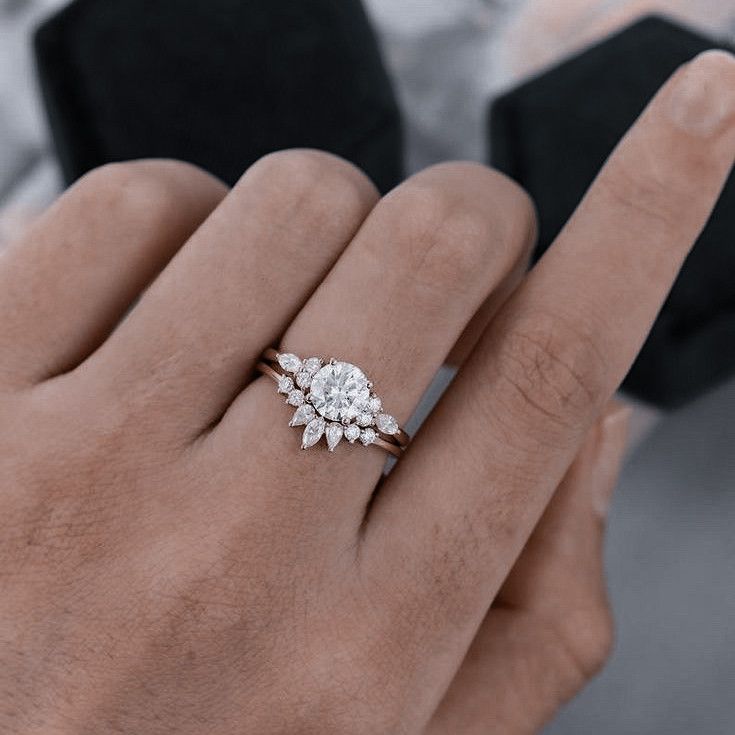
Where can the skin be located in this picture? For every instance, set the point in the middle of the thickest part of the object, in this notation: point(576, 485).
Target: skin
point(170, 561)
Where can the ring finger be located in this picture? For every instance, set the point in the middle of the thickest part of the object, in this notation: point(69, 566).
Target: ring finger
point(394, 304)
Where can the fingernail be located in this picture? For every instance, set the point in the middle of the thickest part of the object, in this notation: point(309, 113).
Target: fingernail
point(612, 442)
point(703, 97)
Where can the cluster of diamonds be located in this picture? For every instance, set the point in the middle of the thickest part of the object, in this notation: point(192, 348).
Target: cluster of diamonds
point(333, 400)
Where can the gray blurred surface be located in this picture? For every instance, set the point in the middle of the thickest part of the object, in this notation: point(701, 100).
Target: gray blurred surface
point(28, 177)
point(671, 546)
point(671, 560)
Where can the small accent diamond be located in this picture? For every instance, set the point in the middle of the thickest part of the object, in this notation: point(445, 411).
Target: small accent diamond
point(313, 432)
point(303, 380)
point(387, 424)
point(364, 419)
point(295, 398)
point(375, 404)
point(352, 433)
point(303, 415)
point(312, 365)
point(335, 432)
point(290, 363)
point(368, 436)
point(285, 384)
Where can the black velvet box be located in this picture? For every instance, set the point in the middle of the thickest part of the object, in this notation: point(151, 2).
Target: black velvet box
point(553, 134)
point(219, 83)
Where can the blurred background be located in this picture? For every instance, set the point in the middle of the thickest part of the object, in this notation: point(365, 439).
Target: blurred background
point(671, 546)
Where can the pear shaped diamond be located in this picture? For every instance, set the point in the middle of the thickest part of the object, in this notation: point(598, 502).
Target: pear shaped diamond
point(290, 363)
point(303, 415)
point(387, 424)
point(334, 432)
point(313, 432)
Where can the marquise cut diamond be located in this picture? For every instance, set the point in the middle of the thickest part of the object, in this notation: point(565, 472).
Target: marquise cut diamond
point(290, 363)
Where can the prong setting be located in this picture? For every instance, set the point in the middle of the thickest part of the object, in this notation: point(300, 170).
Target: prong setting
point(334, 400)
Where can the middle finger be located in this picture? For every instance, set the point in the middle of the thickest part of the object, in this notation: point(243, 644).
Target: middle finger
point(507, 430)
point(186, 349)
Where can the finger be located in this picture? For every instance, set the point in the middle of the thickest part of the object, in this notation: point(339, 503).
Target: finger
point(549, 630)
point(508, 428)
point(234, 287)
point(394, 304)
point(462, 349)
point(75, 272)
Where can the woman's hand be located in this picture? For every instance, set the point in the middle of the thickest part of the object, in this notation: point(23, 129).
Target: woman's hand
point(170, 561)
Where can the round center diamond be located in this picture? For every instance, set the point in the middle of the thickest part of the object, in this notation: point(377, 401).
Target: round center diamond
point(339, 391)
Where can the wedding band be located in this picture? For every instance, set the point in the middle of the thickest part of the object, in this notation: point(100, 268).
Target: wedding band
point(333, 399)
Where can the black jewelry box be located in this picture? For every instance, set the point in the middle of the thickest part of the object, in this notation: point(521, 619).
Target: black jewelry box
point(219, 83)
point(553, 133)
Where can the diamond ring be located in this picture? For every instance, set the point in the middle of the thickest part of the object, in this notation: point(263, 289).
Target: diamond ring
point(333, 399)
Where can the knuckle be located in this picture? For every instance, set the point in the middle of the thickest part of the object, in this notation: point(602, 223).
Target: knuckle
point(510, 203)
point(553, 369)
point(441, 243)
point(461, 222)
point(149, 192)
point(586, 639)
point(458, 250)
point(314, 181)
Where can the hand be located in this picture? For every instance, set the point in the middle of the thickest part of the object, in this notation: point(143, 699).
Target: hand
point(171, 562)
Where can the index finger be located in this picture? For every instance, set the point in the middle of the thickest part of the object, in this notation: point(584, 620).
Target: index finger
point(462, 503)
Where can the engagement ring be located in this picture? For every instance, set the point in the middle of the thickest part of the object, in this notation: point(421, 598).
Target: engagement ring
point(333, 399)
